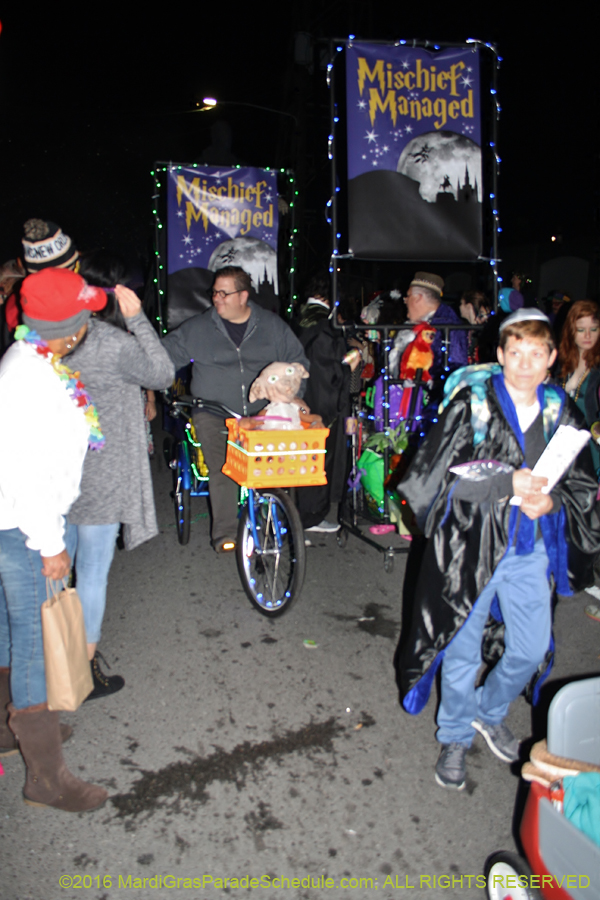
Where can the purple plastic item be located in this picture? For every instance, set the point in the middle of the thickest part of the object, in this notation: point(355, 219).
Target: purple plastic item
point(399, 404)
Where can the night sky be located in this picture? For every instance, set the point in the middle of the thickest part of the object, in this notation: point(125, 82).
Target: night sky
point(89, 102)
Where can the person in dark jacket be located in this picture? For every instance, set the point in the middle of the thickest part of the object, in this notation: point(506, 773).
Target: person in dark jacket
point(228, 345)
point(328, 395)
point(486, 555)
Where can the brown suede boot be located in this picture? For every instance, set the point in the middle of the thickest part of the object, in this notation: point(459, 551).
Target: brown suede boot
point(49, 782)
point(8, 742)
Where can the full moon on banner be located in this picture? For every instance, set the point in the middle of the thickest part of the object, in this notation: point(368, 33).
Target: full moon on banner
point(414, 152)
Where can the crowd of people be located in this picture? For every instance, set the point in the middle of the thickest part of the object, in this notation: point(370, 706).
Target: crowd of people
point(77, 340)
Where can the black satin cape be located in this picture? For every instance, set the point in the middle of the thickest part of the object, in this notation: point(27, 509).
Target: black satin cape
point(466, 541)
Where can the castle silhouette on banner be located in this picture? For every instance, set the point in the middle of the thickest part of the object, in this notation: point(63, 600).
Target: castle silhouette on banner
point(389, 219)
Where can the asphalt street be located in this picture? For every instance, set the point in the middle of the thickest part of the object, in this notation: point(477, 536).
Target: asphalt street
point(236, 752)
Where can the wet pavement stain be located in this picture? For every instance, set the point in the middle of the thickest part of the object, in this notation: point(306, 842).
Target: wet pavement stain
point(188, 780)
point(373, 621)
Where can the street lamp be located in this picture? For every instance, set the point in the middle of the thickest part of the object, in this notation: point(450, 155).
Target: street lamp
point(211, 103)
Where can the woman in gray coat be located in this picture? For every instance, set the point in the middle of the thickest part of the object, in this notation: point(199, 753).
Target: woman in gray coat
point(116, 486)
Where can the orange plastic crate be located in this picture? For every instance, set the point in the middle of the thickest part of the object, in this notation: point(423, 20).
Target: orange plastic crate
point(263, 459)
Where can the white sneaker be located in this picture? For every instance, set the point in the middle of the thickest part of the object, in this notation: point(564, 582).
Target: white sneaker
point(325, 526)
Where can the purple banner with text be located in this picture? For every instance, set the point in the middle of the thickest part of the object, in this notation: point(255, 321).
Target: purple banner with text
point(218, 217)
point(414, 152)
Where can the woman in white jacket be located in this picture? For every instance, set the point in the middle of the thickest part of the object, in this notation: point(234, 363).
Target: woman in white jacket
point(48, 421)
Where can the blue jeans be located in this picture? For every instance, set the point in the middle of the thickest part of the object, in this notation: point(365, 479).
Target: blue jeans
point(521, 585)
point(95, 552)
point(22, 592)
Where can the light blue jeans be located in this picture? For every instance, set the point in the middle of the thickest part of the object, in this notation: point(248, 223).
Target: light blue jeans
point(22, 592)
point(521, 584)
point(95, 552)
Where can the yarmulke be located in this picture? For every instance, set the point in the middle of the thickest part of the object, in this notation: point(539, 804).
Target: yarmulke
point(525, 314)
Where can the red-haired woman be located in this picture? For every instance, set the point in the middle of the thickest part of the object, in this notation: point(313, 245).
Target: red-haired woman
point(579, 361)
point(579, 371)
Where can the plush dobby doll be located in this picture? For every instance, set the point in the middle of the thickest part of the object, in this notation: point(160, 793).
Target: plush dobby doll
point(279, 383)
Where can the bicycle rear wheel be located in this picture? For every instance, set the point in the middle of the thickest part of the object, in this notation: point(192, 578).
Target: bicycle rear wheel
point(271, 567)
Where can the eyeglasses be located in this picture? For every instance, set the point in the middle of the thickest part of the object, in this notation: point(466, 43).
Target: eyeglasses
point(222, 294)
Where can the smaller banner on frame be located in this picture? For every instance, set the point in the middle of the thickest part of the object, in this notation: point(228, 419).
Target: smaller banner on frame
point(414, 152)
point(219, 217)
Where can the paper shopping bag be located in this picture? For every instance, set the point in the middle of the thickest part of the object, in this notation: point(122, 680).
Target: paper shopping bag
point(68, 672)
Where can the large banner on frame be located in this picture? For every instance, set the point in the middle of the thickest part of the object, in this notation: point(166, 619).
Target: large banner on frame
point(219, 217)
point(414, 152)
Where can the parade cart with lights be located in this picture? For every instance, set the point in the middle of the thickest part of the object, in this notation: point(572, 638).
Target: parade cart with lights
point(388, 425)
point(412, 146)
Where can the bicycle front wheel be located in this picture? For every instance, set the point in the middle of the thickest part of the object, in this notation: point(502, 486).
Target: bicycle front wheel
point(181, 496)
point(270, 552)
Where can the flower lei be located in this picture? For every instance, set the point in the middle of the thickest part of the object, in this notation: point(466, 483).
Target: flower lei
point(74, 387)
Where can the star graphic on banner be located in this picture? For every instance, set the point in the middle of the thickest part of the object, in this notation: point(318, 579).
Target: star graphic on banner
point(406, 64)
point(187, 240)
point(466, 80)
point(469, 68)
point(181, 256)
point(268, 197)
point(385, 149)
point(364, 156)
point(408, 129)
point(371, 136)
point(219, 180)
point(180, 214)
point(362, 104)
point(375, 163)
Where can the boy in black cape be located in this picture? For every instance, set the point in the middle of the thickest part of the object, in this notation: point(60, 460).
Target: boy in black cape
point(485, 558)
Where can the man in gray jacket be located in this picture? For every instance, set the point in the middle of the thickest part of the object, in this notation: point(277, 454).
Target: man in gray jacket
point(228, 346)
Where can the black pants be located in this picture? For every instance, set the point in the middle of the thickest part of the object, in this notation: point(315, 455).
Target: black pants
point(212, 434)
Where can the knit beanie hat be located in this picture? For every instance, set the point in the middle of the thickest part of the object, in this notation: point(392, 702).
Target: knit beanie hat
point(45, 244)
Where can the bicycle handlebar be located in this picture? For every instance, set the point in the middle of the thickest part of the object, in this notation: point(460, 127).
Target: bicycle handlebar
point(185, 401)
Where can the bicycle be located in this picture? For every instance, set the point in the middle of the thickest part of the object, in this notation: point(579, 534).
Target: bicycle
point(270, 549)
point(183, 455)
